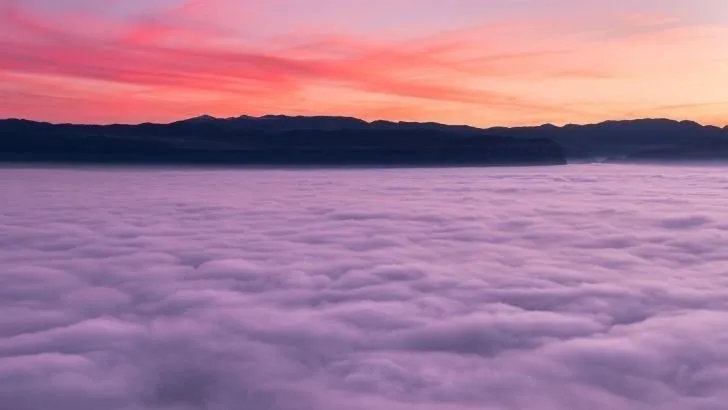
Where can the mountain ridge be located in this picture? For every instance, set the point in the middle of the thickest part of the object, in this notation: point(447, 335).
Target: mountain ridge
point(303, 141)
point(375, 121)
point(639, 139)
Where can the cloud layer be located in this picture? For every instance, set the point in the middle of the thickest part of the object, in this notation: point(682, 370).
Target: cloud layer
point(600, 287)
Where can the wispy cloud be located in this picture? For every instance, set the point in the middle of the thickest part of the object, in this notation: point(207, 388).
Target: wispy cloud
point(521, 69)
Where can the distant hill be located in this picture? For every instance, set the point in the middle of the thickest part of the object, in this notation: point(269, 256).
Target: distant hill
point(269, 141)
point(640, 140)
point(329, 140)
point(280, 123)
point(631, 140)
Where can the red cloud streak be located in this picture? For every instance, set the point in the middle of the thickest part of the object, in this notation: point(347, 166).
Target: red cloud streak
point(171, 64)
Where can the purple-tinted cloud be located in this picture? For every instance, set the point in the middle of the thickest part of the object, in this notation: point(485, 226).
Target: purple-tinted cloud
point(580, 287)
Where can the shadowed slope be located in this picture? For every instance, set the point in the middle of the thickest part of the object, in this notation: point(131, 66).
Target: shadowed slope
point(283, 141)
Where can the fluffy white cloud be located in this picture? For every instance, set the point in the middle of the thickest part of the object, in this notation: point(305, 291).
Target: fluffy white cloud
point(601, 287)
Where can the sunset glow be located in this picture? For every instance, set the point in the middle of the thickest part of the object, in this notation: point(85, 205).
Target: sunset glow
point(480, 62)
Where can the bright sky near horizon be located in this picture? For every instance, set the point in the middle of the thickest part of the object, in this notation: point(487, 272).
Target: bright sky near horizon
point(480, 62)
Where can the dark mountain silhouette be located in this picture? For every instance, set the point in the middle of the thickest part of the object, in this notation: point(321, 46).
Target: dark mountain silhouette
point(631, 140)
point(268, 141)
point(329, 140)
point(637, 140)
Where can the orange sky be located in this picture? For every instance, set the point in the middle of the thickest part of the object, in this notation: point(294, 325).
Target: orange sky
point(480, 62)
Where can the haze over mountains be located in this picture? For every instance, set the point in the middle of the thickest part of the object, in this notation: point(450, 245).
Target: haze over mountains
point(342, 141)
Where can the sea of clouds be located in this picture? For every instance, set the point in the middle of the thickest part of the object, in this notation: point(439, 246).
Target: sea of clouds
point(581, 287)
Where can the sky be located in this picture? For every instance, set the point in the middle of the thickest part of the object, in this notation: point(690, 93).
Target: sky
point(478, 62)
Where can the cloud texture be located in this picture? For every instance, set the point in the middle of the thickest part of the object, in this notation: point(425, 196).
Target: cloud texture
point(600, 287)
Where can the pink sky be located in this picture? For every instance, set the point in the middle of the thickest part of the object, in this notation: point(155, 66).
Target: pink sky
point(480, 62)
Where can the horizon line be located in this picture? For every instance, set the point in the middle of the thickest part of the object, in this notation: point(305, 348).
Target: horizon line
point(253, 117)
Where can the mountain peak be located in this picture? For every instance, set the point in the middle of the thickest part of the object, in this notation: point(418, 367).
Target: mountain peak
point(201, 118)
